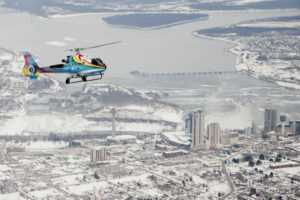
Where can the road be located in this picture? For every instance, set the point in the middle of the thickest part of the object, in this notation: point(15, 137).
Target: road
point(229, 180)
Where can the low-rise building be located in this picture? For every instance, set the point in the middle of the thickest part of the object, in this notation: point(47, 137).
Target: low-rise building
point(173, 154)
point(229, 138)
point(122, 139)
point(15, 149)
point(161, 147)
point(179, 139)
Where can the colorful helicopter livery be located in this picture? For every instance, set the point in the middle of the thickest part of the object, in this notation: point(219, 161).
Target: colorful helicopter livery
point(78, 65)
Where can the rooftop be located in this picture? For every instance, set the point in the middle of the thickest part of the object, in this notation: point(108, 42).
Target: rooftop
point(179, 137)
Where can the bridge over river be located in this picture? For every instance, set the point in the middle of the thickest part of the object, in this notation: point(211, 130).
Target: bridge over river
point(145, 74)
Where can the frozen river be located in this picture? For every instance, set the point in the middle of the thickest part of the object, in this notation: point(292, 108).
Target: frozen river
point(172, 49)
point(232, 100)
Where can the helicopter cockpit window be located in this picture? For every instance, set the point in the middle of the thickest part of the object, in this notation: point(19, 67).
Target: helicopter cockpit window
point(97, 61)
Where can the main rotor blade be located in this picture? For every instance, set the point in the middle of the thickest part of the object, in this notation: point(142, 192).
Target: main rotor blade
point(101, 45)
point(71, 49)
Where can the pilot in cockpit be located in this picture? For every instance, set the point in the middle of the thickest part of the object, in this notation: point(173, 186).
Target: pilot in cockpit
point(65, 60)
point(97, 61)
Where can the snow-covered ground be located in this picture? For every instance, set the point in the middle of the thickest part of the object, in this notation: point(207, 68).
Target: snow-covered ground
point(85, 188)
point(243, 2)
point(288, 85)
point(16, 89)
point(141, 110)
point(44, 145)
point(43, 194)
point(270, 24)
point(14, 195)
point(131, 104)
point(75, 124)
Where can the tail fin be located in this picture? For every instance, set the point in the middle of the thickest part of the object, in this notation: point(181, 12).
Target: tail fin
point(30, 68)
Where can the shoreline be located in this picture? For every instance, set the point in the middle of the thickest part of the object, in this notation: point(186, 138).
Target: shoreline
point(157, 27)
point(278, 82)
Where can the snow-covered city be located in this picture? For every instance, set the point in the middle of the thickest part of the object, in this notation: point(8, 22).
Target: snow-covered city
point(232, 164)
point(185, 99)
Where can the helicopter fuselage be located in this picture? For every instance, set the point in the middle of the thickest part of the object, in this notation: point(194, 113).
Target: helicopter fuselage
point(77, 64)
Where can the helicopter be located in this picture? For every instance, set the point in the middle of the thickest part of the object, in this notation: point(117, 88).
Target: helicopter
point(77, 65)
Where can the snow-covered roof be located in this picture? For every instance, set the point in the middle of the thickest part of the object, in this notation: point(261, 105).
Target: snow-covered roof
point(178, 137)
point(122, 137)
point(178, 151)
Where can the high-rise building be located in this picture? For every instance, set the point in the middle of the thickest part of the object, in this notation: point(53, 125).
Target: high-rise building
point(282, 118)
point(282, 122)
point(98, 155)
point(254, 129)
point(270, 120)
point(248, 131)
point(198, 129)
point(293, 127)
point(188, 124)
point(297, 130)
point(213, 132)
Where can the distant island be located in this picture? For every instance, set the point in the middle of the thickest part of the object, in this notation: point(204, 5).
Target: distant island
point(152, 20)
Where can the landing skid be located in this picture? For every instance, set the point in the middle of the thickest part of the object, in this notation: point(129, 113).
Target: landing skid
point(83, 78)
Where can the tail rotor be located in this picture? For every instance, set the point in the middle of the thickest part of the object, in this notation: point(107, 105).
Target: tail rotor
point(30, 68)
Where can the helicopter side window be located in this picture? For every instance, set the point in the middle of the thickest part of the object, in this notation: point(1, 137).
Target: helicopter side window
point(65, 60)
point(86, 59)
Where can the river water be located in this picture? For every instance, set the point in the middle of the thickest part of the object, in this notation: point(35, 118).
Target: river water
point(233, 100)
